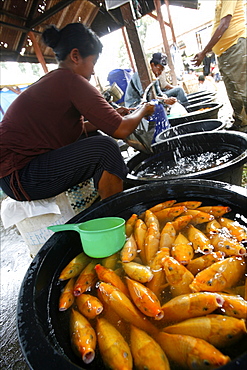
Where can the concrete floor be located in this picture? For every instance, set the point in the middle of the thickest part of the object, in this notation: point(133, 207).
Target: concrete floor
point(15, 260)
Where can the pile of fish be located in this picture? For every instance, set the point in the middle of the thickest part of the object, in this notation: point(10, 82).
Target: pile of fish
point(175, 294)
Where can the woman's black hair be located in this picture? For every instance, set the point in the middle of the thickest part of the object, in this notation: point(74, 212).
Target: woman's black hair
point(73, 35)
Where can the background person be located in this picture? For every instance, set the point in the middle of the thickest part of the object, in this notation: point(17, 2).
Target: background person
point(42, 150)
point(228, 42)
point(134, 92)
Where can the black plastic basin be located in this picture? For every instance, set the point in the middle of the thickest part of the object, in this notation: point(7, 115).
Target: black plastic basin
point(43, 330)
point(166, 154)
point(190, 127)
point(202, 99)
point(197, 112)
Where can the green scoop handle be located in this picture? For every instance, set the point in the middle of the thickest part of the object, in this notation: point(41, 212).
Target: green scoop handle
point(63, 227)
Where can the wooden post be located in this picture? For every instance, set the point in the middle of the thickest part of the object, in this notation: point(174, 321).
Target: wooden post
point(163, 32)
point(38, 51)
point(135, 45)
point(128, 49)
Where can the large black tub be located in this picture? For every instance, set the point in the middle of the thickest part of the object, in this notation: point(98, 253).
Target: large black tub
point(43, 330)
point(190, 127)
point(182, 152)
point(197, 112)
point(202, 99)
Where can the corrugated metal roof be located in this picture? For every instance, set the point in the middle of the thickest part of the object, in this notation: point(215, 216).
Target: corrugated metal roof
point(19, 17)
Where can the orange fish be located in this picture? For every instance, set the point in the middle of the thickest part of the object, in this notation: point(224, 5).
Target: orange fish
point(130, 225)
point(216, 211)
point(109, 276)
point(189, 204)
point(181, 222)
point(191, 353)
point(182, 250)
point(75, 266)
point(67, 297)
point(88, 305)
point(158, 207)
point(86, 280)
point(199, 217)
point(168, 214)
point(220, 275)
point(177, 276)
point(219, 330)
point(191, 305)
point(129, 250)
point(83, 337)
point(122, 305)
point(147, 353)
point(114, 350)
point(145, 299)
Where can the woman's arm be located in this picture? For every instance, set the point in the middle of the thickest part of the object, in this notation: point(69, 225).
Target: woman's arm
point(131, 121)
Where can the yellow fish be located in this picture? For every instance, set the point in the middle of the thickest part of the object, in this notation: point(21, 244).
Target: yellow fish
point(167, 235)
point(89, 305)
point(147, 353)
point(191, 353)
point(199, 240)
point(235, 229)
point(114, 350)
point(182, 249)
point(219, 276)
point(177, 276)
point(150, 217)
point(200, 263)
point(86, 280)
point(75, 266)
point(216, 211)
point(123, 306)
point(158, 207)
point(189, 204)
point(138, 272)
point(144, 299)
point(219, 330)
point(234, 306)
point(129, 250)
point(83, 337)
point(140, 231)
point(151, 244)
point(130, 224)
point(109, 276)
point(191, 305)
point(67, 297)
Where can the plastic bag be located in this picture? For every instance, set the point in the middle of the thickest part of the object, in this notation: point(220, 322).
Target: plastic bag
point(177, 110)
point(145, 134)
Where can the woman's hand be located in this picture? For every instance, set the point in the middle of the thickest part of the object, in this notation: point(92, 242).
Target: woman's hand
point(123, 111)
point(148, 108)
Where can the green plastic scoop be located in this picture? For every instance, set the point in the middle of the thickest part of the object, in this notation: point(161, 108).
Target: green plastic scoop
point(100, 237)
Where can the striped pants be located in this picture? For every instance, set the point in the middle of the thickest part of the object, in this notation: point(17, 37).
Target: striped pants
point(54, 172)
